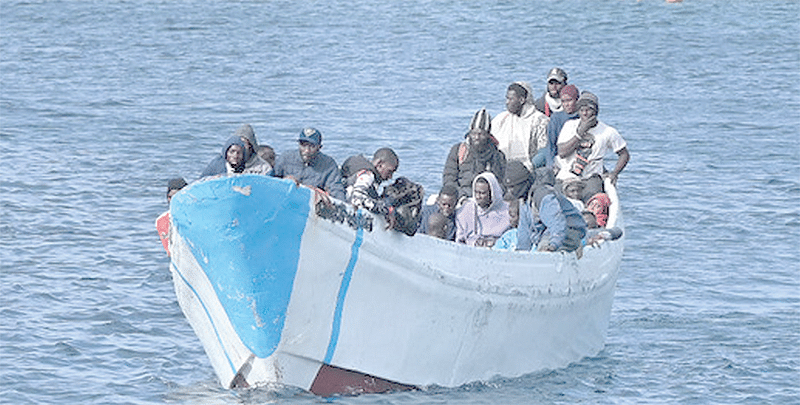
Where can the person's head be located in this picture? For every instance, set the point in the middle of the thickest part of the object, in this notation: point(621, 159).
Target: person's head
point(573, 189)
point(437, 225)
point(267, 153)
point(587, 105)
point(569, 98)
point(235, 153)
point(480, 128)
point(482, 193)
point(513, 211)
point(517, 180)
point(173, 186)
point(385, 162)
point(556, 80)
point(591, 219)
point(310, 141)
point(447, 200)
point(515, 98)
point(248, 136)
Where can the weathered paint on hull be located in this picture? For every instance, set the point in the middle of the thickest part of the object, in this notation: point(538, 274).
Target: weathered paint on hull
point(355, 308)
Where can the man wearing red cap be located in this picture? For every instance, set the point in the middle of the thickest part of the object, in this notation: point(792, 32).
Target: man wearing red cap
point(569, 111)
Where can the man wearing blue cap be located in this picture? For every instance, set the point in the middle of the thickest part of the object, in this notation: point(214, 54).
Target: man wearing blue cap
point(311, 167)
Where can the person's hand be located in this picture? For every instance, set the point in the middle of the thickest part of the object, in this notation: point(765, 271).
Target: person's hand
point(391, 220)
point(612, 176)
point(320, 195)
point(292, 178)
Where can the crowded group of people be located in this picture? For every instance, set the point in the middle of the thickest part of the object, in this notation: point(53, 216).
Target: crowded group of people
point(531, 178)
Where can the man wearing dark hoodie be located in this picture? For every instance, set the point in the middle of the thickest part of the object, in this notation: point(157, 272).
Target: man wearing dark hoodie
point(252, 164)
point(477, 154)
point(231, 160)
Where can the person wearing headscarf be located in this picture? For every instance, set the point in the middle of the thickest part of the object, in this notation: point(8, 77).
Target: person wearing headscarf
point(569, 111)
point(478, 153)
point(552, 223)
point(582, 145)
point(598, 205)
point(521, 130)
point(484, 217)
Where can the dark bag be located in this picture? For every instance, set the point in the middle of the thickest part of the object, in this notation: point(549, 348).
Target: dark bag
point(405, 197)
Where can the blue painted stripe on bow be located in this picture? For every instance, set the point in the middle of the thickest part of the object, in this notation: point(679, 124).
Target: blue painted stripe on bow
point(337, 315)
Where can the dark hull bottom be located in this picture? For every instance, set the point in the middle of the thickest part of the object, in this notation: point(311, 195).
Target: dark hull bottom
point(332, 380)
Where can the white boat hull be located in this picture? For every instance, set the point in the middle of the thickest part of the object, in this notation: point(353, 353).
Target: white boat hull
point(279, 292)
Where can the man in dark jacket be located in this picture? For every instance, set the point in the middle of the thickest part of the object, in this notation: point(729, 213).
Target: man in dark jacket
point(309, 166)
point(552, 223)
point(477, 154)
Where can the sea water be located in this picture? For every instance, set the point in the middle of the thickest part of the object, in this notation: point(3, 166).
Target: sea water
point(102, 102)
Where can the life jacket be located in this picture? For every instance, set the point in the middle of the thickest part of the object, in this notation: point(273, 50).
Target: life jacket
point(405, 197)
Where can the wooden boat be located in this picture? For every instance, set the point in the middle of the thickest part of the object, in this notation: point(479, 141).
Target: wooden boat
point(281, 288)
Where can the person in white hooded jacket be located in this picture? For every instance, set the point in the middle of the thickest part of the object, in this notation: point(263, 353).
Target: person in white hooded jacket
point(484, 217)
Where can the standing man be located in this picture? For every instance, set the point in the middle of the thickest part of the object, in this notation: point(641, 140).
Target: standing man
point(550, 101)
point(521, 130)
point(309, 166)
point(569, 111)
point(583, 143)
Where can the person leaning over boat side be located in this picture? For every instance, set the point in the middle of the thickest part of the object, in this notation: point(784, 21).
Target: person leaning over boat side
point(521, 130)
point(569, 111)
point(583, 143)
point(552, 223)
point(309, 166)
point(445, 206)
point(162, 223)
point(550, 101)
point(476, 154)
point(252, 164)
point(362, 178)
point(484, 217)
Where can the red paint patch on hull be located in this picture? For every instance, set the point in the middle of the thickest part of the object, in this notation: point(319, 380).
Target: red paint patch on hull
point(332, 380)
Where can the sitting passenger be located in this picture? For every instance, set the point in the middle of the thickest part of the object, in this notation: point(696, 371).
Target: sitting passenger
point(484, 217)
point(162, 223)
point(518, 183)
point(251, 163)
point(362, 178)
point(477, 154)
point(552, 223)
point(446, 206)
point(267, 153)
point(573, 190)
point(509, 239)
point(309, 166)
point(437, 225)
point(598, 205)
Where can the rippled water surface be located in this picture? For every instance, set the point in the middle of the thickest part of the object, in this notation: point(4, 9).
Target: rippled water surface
point(102, 102)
